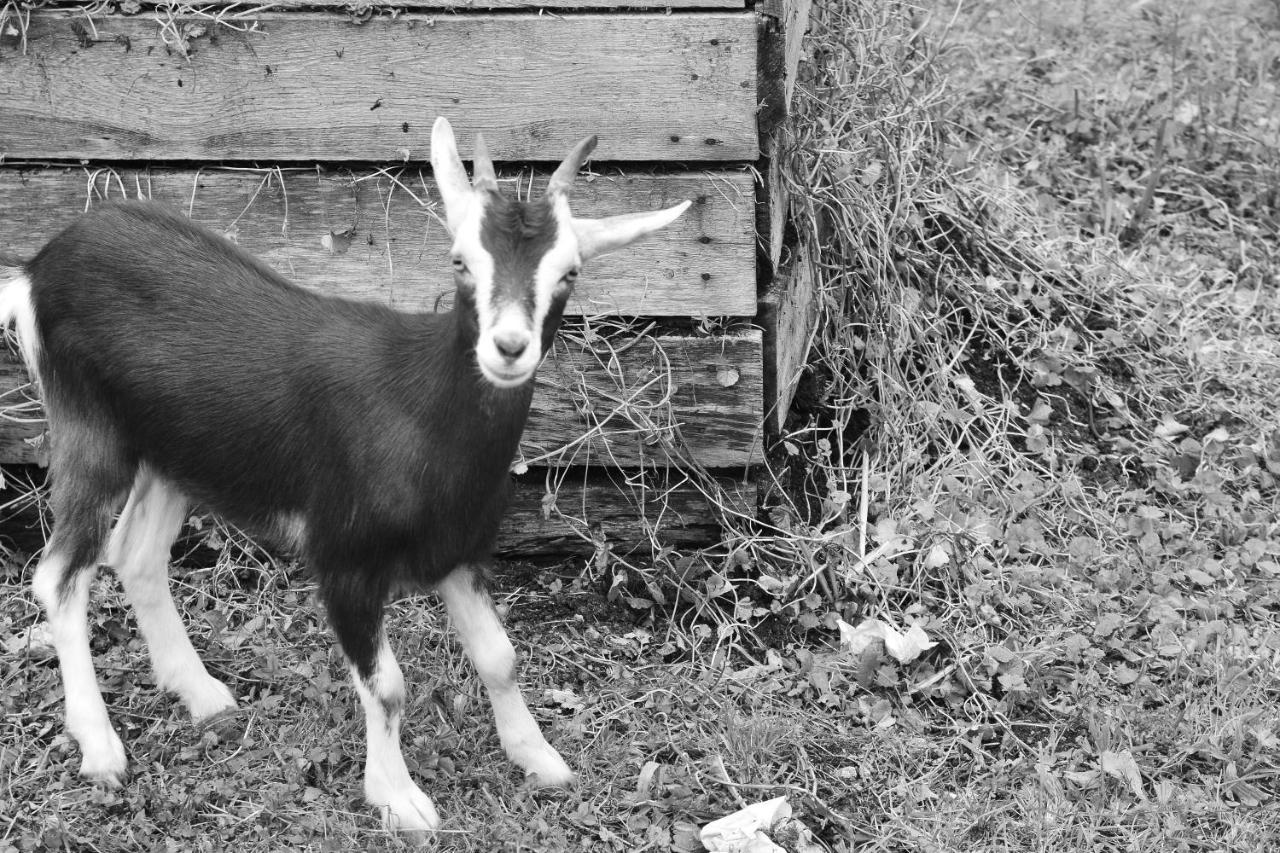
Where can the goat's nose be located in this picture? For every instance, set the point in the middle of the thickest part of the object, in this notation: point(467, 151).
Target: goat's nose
point(511, 344)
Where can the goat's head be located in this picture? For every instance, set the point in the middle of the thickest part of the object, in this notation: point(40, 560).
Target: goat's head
point(515, 262)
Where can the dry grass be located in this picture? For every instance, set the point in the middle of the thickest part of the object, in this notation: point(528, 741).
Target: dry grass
point(1039, 422)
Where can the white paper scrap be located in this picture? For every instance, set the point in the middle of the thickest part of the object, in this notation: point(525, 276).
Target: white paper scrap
point(744, 830)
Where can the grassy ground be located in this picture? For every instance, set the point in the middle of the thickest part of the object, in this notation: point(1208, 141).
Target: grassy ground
point(1041, 424)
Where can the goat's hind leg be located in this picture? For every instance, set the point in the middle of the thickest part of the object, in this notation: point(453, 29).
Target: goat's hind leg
point(83, 505)
point(139, 553)
point(486, 643)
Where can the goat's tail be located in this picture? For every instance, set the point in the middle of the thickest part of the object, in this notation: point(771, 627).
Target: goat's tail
point(18, 310)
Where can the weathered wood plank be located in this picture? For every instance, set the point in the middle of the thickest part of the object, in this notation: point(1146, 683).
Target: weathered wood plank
point(654, 399)
point(795, 24)
point(789, 315)
point(21, 420)
point(306, 87)
point(788, 310)
point(780, 64)
point(361, 8)
point(387, 244)
point(551, 512)
point(619, 401)
point(484, 5)
point(554, 513)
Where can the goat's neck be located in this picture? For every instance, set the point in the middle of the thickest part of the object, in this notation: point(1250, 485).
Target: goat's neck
point(463, 400)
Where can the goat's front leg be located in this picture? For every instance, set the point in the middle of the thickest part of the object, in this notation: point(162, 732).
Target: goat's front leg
point(380, 685)
point(490, 650)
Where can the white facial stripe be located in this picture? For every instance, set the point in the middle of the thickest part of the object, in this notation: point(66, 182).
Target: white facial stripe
point(559, 259)
point(470, 250)
point(467, 247)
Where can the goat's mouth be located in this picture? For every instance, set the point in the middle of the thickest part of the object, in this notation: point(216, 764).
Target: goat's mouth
point(506, 376)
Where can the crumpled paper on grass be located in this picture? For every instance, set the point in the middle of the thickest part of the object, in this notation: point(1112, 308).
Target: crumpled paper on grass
point(744, 830)
point(903, 647)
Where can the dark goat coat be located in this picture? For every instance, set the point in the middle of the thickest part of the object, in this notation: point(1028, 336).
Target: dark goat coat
point(265, 402)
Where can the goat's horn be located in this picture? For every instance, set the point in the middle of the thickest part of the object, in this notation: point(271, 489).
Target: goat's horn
point(482, 175)
point(561, 182)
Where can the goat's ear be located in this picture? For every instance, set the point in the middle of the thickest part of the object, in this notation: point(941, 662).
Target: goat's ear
point(451, 177)
point(483, 177)
point(597, 236)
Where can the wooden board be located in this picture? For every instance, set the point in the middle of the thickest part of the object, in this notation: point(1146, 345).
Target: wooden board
point(365, 8)
point(480, 5)
point(657, 399)
point(21, 424)
point(317, 87)
point(551, 513)
point(620, 401)
point(789, 315)
point(781, 51)
point(789, 309)
point(795, 23)
point(559, 513)
point(387, 244)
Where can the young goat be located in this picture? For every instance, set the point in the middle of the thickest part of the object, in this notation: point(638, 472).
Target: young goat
point(177, 369)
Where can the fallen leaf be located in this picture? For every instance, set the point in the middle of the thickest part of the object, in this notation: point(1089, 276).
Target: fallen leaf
point(1122, 766)
point(1041, 412)
point(566, 699)
point(937, 557)
point(644, 782)
point(727, 376)
point(903, 647)
point(36, 641)
point(1169, 428)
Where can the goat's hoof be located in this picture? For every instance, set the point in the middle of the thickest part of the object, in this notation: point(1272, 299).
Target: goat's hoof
point(103, 760)
point(410, 812)
point(546, 769)
point(207, 698)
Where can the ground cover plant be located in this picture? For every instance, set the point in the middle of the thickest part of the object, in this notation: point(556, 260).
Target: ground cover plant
point(1039, 426)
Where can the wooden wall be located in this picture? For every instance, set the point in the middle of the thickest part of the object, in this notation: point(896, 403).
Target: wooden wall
point(303, 134)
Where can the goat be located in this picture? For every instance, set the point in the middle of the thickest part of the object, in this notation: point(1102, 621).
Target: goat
point(176, 368)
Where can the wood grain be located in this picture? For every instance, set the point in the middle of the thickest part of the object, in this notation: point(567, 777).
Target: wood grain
point(504, 5)
point(659, 400)
point(319, 87)
point(386, 243)
point(22, 425)
point(617, 401)
point(789, 315)
point(555, 513)
point(789, 309)
point(781, 52)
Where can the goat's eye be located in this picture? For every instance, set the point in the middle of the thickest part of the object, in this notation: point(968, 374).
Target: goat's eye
point(571, 276)
point(459, 266)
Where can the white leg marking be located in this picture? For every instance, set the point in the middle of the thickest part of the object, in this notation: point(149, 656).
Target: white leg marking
point(139, 553)
point(490, 650)
point(103, 758)
point(387, 784)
